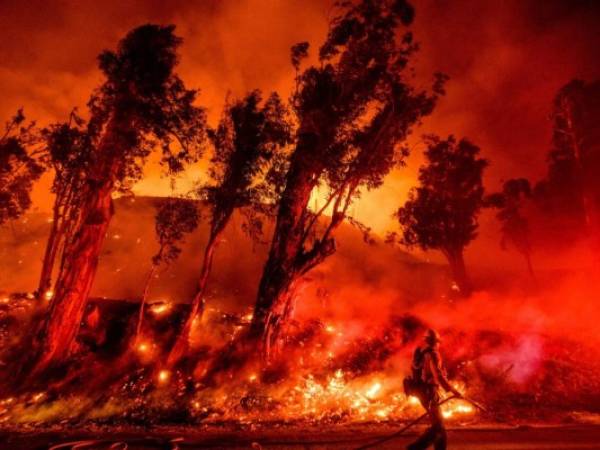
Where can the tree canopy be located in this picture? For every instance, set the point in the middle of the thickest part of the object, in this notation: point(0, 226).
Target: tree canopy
point(21, 165)
point(248, 158)
point(441, 213)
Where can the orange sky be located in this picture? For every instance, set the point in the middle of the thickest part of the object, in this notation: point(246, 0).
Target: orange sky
point(505, 59)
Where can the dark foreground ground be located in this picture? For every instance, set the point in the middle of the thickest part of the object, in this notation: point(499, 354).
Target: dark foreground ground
point(522, 438)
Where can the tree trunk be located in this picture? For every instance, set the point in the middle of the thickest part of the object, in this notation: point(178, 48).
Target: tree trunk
point(138, 328)
point(588, 204)
point(62, 223)
point(55, 240)
point(59, 329)
point(530, 267)
point(281, 268)
point(269, 312)
point(459, 271)
point(198, 304)
point(49, 258)
point(74, 284)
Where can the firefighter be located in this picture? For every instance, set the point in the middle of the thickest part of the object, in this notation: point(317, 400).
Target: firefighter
point(426, 379)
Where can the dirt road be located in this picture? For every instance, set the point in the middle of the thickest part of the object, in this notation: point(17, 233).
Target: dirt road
point(524, 438)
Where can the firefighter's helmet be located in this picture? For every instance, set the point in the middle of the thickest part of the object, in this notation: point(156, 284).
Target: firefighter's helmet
point(432, 336)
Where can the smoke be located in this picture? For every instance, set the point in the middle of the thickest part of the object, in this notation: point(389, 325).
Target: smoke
point(506, 60)
point(524, 357)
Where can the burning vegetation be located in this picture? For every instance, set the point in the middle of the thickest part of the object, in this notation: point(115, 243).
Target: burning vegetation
point(324, 336)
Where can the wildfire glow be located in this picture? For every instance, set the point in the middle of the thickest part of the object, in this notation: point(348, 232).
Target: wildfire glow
point(317, 395)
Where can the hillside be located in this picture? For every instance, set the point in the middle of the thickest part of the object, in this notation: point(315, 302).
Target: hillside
point(356, 270)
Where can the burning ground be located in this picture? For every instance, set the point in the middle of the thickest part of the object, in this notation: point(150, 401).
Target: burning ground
point(342, 362)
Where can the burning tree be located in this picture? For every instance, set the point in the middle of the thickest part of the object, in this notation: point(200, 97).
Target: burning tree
point(570, 193)
point(141, 105)
point(353, 109)
point(174, 218)
point(246, 164)
point(576, 137)
point(21, 164)
point(441, 213)
point(69, 148)
point(514, 225)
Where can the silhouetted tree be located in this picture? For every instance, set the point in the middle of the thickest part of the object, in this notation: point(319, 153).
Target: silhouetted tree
point(175, 217)
point(248, 146)
point(353, 109)
point(570, 194)
point(514, 225)
point(21, 165)
point(69, 147)
point(441, 213)
point(141, 105)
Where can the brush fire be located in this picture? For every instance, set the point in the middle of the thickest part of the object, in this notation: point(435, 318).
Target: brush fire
point(319, 386)
point(379, 229)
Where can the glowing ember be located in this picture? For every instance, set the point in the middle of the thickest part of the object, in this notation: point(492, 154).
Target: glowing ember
point(38, 397)
point(248, 317)
point(160, 308)
point(143, 347)
point(48, 295)
point(164, 376)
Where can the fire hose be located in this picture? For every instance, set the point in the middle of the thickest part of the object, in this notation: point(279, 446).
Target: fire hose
point(414, 422)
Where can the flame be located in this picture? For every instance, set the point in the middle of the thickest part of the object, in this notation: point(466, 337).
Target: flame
point(373, 390)
point(412, 400)
point(311, 393)
point(48, 295)
point(455, 407)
